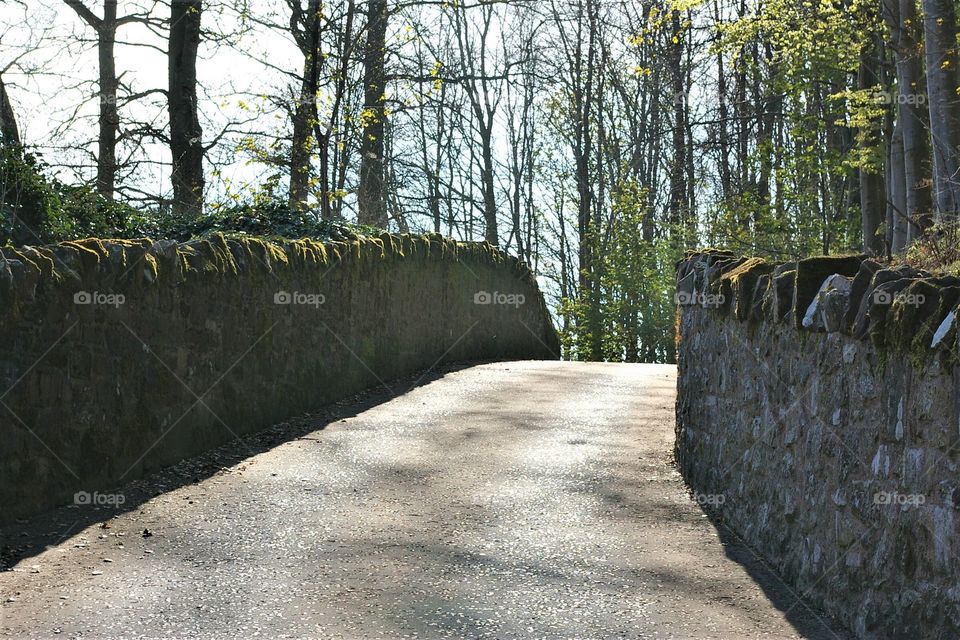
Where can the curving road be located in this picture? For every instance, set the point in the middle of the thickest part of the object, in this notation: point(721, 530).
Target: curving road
point(509, 500)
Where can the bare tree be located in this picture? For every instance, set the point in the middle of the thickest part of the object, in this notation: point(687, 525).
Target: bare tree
point(905, 34)
point(370, 197)
point(186, 133)
point(305, 27)
point(109, 120)
point(940, 44)
point(9, 132)
point(872, 190)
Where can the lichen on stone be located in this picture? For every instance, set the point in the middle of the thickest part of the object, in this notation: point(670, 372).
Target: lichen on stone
point(739, 283)
point(811, 274)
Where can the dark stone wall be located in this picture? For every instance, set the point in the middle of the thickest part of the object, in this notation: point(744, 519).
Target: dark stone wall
point(817, 417)
point(121, 357)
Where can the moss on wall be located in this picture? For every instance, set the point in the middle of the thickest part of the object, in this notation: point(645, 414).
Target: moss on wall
point(268, 329)
point(898, 309)
point(810, 275)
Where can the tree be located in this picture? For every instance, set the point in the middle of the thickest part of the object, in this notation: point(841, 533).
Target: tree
point(940, 45)
point(186, 134)
point(370, 197)
point(872, 192)
point(483, 92)
point(910, 141)
point(109, 119)
point(306, 31)
point(9, 132)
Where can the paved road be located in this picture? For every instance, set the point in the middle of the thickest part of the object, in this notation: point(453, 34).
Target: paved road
point(524, 499)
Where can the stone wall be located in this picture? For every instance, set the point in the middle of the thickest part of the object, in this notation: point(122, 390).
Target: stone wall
point(817, 417)
point(121, 357)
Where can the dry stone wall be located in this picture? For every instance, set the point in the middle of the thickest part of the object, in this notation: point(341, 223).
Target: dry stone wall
point(118, 358)
point(818, 417)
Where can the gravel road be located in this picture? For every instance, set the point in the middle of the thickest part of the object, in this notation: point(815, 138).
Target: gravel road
point(507, 500)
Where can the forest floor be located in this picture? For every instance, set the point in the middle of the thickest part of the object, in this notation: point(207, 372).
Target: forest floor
point(508, 500)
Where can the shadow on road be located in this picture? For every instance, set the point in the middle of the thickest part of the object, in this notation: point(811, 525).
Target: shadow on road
point(808, 620)
point(27, 538)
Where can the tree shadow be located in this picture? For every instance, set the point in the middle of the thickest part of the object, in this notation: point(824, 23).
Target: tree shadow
point(808, 620)
point(27, 538)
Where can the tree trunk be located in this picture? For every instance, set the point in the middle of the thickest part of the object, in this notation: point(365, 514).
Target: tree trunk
point(723, 133)
point(904, 26)
point(370, 200)
point(109, 120)
point(109, 116)
point(487, 177)
point(872, 191)
point(9, 133)
point(305, 112)
point(940, 36)
point(186, 135)
point(590, 330)
point(897, 219)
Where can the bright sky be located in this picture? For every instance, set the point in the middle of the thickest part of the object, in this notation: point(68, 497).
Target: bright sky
point(49, 82)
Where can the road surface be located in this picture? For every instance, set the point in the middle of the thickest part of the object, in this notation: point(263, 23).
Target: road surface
point(508, 500)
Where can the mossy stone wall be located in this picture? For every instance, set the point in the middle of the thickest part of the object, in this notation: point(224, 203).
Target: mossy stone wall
point(121, 357)
point(834, 442)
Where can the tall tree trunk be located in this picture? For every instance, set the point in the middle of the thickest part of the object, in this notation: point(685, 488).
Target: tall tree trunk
point(346, 48)
point(582, 151)
point(370, 200)
point(487, 178)
point(109, 116)
point(897, 224)
point(678, 166)
point(9, 133)
point(305, 112)
point(940, 43)
point(904, 27)
point(723, 133)
point(109, 120)
point(872, 191)
point(186, 135)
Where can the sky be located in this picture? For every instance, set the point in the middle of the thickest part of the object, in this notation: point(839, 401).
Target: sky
point(54, 69)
